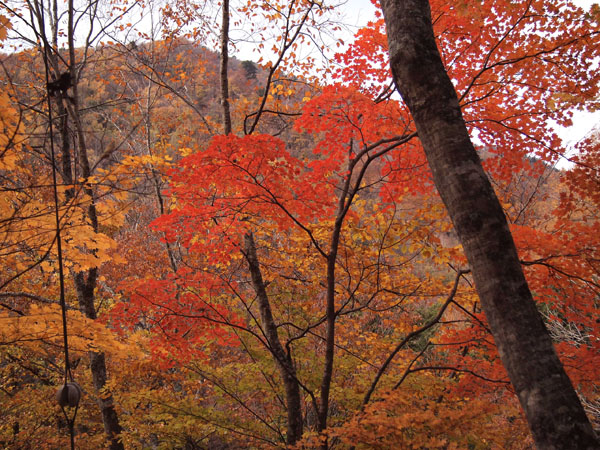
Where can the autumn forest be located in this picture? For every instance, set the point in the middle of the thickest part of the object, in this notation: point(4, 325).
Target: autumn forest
point(250, 225)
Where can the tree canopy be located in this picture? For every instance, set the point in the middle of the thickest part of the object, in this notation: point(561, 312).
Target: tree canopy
point(258, 254)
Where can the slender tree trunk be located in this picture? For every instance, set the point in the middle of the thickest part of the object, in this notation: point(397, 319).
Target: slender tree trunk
point(330, 318)
point(224, 64)
point(85, 285)
point(85, 282)
point(68, 108)
point(282, 358)
point(156, 177)
point(554, 412)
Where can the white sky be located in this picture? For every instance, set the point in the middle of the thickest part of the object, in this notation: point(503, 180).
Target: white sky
point(359, 12)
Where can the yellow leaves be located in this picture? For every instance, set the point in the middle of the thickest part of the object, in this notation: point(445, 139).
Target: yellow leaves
point(276, 90)
point(132, 168)
point(43, 324)
point(85, 249)
point(411, 419)
point(282, 90)
point(185, 151)
point(559, 101)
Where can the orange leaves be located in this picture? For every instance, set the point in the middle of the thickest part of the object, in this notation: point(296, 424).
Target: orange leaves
point(351, 128)
point(408, 418)
point(583, 180)
point(5, 25)
point(561, 265)
point(11, 129)
point(515, 66)
point(34, 225)
point(194, 305)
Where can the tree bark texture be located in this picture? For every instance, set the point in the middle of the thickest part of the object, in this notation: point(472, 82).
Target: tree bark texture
point(85, 293)
point(112, 427)
point(552, 407)
point(85, 285)
point(282, 358)
point(85, 282)
point(223, 69)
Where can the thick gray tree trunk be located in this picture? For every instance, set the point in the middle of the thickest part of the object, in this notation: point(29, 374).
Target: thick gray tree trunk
point(554, 412)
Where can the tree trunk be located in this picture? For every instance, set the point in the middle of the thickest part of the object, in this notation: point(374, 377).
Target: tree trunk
point(223, 69)
point(282, 358)
point(85, 282)
point(85, 294)
point(552, 407)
